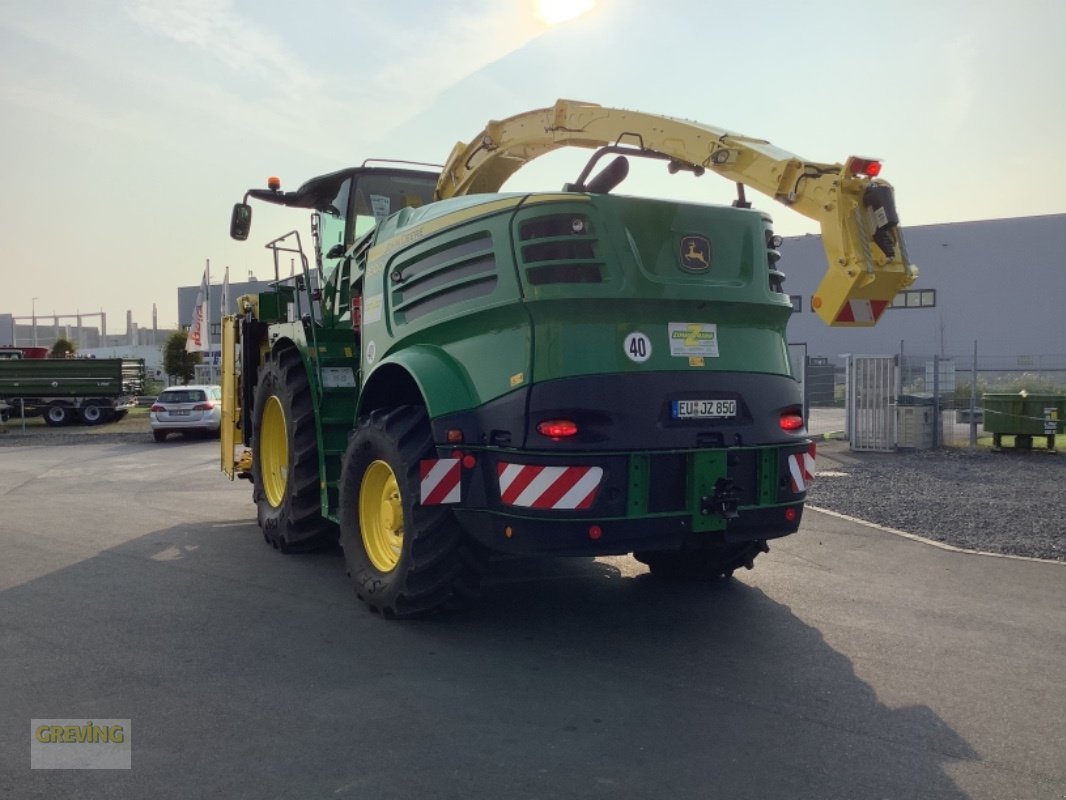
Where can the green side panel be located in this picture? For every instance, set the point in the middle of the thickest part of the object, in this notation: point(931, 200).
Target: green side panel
point(768, 471)
point(708, 466)
point(639, 475)
point(338, 366)
point(446, 306)
point(274, 305)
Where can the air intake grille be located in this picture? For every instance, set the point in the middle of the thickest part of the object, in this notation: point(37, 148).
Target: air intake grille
point(460, 271)
point(560, 249)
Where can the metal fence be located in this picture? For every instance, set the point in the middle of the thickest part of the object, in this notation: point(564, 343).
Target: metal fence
point(953, 386)
point(937, 399)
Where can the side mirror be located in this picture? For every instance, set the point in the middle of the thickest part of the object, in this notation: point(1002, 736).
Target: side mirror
point(336, 251)
point(241, 221)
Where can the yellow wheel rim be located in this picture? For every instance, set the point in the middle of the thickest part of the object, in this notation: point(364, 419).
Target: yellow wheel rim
point(274, 452)
point(381, 516)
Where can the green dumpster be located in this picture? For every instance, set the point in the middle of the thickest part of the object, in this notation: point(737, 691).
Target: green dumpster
point(1023, 416)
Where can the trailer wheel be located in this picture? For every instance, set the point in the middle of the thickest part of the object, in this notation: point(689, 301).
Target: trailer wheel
point(58, 415)
point(95, 414)
point(285, 459)
point(404, 559)
point(715, 563)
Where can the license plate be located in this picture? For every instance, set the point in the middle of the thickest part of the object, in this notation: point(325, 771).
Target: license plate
point(179, 413)
point(703, 409)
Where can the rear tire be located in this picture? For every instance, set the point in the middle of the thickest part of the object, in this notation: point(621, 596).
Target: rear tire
point(58, 415)
point(94, 414)
point(405, 559)
point(159, 436)
point(285, 459)
point(708, 564)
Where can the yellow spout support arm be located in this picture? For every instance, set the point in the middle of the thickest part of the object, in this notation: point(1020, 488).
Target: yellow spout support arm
point(866, 257)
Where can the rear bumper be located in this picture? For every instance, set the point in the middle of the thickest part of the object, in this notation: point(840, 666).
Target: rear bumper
point(634, 476)
point(506, 533)
point(605, 504)
point(211, 423)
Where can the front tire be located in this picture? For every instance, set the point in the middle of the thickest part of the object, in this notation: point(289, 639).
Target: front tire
point(405, 559)
point(285, 459)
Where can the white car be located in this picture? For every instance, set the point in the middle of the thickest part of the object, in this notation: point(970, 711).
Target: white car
point(187, 409)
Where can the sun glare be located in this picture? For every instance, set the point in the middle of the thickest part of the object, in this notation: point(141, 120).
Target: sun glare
point(553, 12)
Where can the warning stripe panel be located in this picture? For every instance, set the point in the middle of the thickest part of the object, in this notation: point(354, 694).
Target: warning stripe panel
point(550, 488)
point(440, 481)
point(801, 469)
point(862, 311)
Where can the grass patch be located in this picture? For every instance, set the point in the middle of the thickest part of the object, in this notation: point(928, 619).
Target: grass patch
point(135, 420)
point(985, 442)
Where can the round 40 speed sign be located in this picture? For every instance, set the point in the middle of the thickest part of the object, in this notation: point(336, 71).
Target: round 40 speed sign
point(637, 347)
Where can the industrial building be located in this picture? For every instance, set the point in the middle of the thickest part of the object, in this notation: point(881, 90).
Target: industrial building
point(1000, 283)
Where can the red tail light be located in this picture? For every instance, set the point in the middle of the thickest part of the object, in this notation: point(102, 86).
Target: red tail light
point(204, 406)
point(557, 428)
point(156, 408)
point(870, 167)
point(791, 421)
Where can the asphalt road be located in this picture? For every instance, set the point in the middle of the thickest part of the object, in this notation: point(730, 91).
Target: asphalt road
point(851, 663)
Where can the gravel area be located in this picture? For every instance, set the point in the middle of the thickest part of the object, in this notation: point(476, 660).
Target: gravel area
point(1009, 502)
point(40, 438)
point(37, 434)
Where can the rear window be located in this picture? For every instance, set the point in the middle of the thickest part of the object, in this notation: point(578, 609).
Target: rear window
point(183, 396)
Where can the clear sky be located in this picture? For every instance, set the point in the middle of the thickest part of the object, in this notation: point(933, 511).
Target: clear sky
point(130, 127)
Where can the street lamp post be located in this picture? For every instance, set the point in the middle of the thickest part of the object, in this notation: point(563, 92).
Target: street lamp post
point(33, 304)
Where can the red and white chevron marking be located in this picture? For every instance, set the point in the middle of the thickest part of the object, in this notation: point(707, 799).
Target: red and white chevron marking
point(440, 481)
point(865, 312)
point(801, 469)
point(549, 488)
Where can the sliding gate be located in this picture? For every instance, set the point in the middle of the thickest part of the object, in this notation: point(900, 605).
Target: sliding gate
point(871, 402)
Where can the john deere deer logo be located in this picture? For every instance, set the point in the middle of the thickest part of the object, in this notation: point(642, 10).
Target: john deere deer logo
point(695, 253)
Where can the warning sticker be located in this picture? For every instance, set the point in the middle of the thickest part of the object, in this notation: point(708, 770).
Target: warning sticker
point(372, 309)
point(689, 339)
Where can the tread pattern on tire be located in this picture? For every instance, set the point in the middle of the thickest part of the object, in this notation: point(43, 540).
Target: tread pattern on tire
point(440, 567)
point(297, 525)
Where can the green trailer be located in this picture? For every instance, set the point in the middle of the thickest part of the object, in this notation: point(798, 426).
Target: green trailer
point(88, 390)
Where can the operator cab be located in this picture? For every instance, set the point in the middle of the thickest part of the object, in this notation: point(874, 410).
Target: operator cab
point(347, 206)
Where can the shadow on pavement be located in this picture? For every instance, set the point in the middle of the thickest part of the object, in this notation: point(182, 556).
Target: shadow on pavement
point(249, 674)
